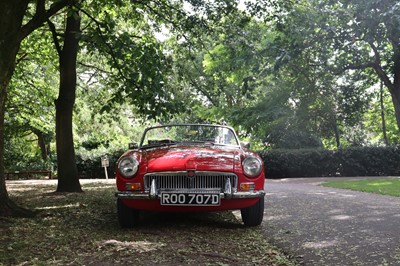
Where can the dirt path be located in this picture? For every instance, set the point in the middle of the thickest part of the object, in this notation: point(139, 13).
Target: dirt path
point(326, 226)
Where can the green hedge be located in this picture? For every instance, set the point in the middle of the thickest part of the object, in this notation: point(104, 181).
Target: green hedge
point(355, 161)
point(90, 167)
point(286, 163)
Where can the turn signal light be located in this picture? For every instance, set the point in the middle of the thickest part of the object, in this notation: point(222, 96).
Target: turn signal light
point(247, 186)
point(133, 186)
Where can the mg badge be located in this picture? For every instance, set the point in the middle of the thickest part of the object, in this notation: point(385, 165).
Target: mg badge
point(191, 174)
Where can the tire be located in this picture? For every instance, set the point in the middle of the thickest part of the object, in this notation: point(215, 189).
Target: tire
point(253, 215)
point(127, 217)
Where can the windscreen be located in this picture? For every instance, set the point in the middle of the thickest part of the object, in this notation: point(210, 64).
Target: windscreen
point(172, 134)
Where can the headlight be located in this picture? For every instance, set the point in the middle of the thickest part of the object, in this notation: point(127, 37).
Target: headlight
point(128, 167)
point(252, 166)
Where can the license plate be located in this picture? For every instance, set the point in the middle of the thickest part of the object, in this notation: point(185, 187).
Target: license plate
point(190, 199)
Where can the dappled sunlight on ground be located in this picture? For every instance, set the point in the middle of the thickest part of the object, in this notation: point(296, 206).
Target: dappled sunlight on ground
point(373, 219)
point(334, 193)
point(131, 246)
point(280, 195)
point(99, 187)
point(341, 217)
point(276, 217)
point(320, 244)
point(381, 184)
point(335, 211)
point(51, 185)
point(82, 229)
point(59, 207)
point(347, 195)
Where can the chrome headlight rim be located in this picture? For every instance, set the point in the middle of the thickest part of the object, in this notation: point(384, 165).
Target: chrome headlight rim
point(128, 167)
point(252, 166)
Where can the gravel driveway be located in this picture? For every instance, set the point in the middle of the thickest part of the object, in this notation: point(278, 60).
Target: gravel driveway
point(326, 226)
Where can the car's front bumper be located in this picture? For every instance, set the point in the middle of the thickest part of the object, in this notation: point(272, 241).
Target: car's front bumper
point(235, 195)
point(227, 193)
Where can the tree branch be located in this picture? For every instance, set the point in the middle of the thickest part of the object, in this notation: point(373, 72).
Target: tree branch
point(376, 65)
point(41, 15)
point(379, 70)
point(21, 58)
point(54, 34)
point(111, 50)
point(94, 67)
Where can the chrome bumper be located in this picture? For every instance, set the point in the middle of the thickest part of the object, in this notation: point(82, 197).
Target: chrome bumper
point(236, 195)
point(154, 193)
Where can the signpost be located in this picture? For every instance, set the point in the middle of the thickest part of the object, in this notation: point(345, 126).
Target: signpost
point(105, 162)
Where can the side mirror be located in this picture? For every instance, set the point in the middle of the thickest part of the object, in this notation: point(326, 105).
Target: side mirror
point(245, 145)
point(133, 146)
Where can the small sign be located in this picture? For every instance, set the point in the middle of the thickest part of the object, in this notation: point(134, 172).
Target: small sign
point(105, 162)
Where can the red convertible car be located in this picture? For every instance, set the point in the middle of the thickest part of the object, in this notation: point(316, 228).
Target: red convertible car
point(190, 168)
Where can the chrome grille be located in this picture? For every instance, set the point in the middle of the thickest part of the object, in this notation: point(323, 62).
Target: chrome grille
point(180, 180)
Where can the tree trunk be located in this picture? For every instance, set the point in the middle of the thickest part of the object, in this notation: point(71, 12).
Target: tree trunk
point(12, 33)
point(7, 207)
point(336, 131)
point(396, 104)
point(68, 179)
point(337, 137)
point(395, 88)
point(385, 138)
point(43, 146)
point(9, 46)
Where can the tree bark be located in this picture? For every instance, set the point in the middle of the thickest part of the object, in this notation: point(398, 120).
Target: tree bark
point(12, 32)
point(384, 131)
point(337, 134)
point(68, 179)
point(43, 146)
point(9, 46)
point(395, 93)
point(394, 84)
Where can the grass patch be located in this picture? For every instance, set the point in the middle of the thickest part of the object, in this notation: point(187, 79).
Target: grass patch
point(390, 187)
point(82, 229)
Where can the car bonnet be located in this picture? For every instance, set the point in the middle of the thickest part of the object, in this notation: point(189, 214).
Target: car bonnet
point(198, 158)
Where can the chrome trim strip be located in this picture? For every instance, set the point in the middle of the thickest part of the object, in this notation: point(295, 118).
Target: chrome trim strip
point(228, 189)
point(153, 189)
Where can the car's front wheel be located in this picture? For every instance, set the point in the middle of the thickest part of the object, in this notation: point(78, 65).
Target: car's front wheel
point(253, 215)
point(127, 217)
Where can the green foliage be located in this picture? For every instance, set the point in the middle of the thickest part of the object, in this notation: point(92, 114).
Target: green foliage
point(89, 164)
point(267, 80)
point(30, 107)
point(118, 63)
point(218, 73)
point(285, 74)
point(355, 161)
point(102, 134)
point(22, 154)
point(132, 62)
point(373, 120)
point(345, 38)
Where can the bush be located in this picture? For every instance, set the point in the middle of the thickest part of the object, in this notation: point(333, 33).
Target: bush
point(355, 161)
point(90, 166)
